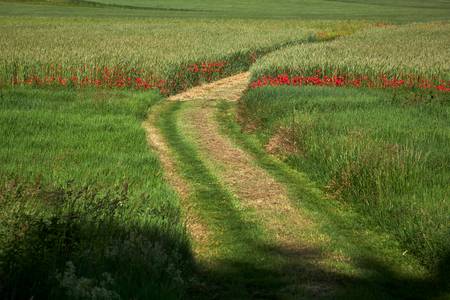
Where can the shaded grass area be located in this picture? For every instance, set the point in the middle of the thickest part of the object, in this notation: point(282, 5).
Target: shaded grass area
point(393, 274)
point(84, 210)
point(384, 154)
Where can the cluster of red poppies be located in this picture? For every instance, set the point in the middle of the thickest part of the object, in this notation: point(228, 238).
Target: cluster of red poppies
point(338, 81)
point(95, 77)
point(128, 82)
point(207, 67)
point(114, 77)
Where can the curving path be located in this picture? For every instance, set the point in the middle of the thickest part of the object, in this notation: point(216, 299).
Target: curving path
point(251, 238)
point(230, 88)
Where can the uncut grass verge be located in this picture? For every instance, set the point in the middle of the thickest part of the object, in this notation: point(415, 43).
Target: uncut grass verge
point(84, 210)
point(394, 274)
point(383, 153)
point(412, 56)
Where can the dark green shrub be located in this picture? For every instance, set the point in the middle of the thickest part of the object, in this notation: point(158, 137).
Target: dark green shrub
point(86, 243)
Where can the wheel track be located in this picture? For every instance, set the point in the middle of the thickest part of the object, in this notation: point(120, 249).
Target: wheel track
point(283, 254)
point(281, 246)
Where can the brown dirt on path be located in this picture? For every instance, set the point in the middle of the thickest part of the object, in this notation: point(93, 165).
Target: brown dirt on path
point(255, 188)
point(295, 245)
point(155, 139)
point(291, 237)
point(230, 88)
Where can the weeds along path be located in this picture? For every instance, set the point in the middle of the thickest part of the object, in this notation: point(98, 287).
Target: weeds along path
point(250, 239)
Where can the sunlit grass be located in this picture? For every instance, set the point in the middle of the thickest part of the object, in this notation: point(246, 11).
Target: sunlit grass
point(81, 195)
point(411, 52)
point(385, 156)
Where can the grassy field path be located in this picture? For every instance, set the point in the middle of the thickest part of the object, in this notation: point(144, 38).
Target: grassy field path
point(230, 88)
point(255, 233)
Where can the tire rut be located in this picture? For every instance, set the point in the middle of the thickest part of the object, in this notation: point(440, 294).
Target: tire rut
point(198, 230)
point(288, 244)
point(281, 251)
point(253, 186)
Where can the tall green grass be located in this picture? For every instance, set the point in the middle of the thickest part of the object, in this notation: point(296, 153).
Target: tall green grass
point(84, 210)
point(152, 49)
point(385, 154)
point(415, 51)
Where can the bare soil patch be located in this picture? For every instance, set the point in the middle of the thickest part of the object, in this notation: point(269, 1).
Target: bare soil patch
point(253, 185)
point(282, 143)
point(230, 88)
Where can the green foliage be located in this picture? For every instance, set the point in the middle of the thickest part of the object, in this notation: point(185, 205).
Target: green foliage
point(84, 288)
point(369, 148)
point(383, 151)
point(84, 210)
point(46, 232)
point(161, 49)
point(417, 51)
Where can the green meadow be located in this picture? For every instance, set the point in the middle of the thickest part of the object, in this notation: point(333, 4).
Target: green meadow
point(384, 154)
point(87, 211)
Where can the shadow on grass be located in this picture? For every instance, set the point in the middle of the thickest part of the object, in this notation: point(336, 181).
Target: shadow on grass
point(256, 270)
point(146, 264)
point(301, 276)
point(76, 242)
point(373, 278)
